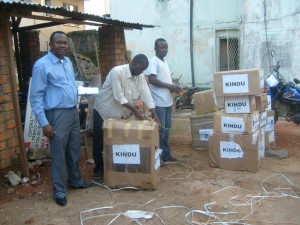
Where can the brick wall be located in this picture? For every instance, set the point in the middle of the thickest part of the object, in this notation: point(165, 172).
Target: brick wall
point(112, 49)
point(9, 146)
point(29, 52)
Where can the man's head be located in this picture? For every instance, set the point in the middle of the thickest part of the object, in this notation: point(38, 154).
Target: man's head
point(58, 43)
point(139, 64)
point(161, 48)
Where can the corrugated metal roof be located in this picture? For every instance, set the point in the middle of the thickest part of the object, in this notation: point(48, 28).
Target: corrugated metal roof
point(11, 5)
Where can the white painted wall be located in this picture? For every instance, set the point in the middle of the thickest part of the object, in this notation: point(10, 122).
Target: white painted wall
point(278, 30)
point(173, 20)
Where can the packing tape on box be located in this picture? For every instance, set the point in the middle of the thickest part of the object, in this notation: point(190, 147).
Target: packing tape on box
point(202, 98)
point(197, 124)
point(109, 126)
point(126, 128)
point(231, 137)
point(140, 128)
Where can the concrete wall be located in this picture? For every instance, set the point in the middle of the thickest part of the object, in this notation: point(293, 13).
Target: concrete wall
point(173, 19)
point(277, 29)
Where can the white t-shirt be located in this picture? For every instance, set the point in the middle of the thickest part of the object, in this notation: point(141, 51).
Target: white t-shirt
point(162, 97)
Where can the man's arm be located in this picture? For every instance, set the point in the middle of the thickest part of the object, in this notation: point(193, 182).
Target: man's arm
point(154, 81)
point(37, 91)
point(134, 110)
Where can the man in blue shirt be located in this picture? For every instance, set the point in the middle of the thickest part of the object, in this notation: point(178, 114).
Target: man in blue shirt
point(53, 98)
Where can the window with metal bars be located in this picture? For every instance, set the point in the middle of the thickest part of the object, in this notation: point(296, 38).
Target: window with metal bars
point(228, 50)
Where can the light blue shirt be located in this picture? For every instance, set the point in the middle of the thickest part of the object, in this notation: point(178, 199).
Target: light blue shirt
point(52, 86)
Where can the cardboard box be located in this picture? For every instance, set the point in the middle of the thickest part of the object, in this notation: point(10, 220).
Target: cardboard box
point(263, 118)
point(201, 127)
point(235, 151)
point(238, 82)
point(269, 102)
point(131, 153)
point(262, 147)
point(246, 103)
point(261, 102)
point(270, 141)
point(240, 104)
point(270, 123)
point(205, 102)
point(220, 102)
point(236, 123)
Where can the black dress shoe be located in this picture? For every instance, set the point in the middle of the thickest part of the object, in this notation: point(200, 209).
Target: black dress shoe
point(170, 159)
point(98, 175)
point(61, 201)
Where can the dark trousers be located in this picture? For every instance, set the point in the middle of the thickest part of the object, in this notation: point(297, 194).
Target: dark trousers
point(97, 142)
point(65, 150)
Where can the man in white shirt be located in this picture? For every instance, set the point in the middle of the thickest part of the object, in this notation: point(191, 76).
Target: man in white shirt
point(124, 85)
point(161, 87)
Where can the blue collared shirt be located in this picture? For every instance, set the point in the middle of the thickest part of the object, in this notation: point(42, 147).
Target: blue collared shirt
point(52, 86)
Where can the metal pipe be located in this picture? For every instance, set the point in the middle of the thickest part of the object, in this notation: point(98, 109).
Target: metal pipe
point(191, 41)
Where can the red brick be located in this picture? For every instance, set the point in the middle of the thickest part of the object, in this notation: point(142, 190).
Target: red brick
point(3, 61)
point(110, 57)
point(6, 116)
point(2, 49)
point(4, 98)
point(4, 71)
point(121, 46)
point(10, 124)
point(118, 39)
point(8, 107)
point(121, 57)
point(105, 63)
point(6, 135)
point(13, 142)
point(6, 88)
point(120, 62)
point(5, 163)
point(7, 153)
point(3, 145)
point(119, 51)
point(3, 78)
point(104, 51)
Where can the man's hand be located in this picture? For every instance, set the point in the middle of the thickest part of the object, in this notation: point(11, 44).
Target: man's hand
point(154, 116)
point(137, 113)
point(48, 131)
point(175, 89)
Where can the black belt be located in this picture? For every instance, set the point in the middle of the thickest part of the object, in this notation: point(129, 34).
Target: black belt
point(70, 108)
point(74, 107)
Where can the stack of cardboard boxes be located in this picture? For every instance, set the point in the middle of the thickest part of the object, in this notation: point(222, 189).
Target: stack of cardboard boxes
point(238, 141)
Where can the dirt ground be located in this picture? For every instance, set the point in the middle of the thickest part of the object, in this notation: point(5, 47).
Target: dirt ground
point(189, 192)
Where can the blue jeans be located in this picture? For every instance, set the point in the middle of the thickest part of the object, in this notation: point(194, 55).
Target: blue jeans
point(165, 117)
